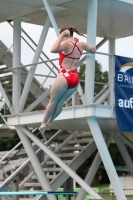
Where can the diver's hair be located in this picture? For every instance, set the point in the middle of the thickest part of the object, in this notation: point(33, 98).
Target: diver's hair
point(71, 29)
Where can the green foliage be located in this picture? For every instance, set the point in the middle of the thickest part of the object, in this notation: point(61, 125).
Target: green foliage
point(100, 76)
point(116, 156)
point(8, 143)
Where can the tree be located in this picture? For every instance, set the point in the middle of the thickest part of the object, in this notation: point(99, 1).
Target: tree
point(100, 77)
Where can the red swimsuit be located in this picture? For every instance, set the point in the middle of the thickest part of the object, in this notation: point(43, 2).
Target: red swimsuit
point(71, 76)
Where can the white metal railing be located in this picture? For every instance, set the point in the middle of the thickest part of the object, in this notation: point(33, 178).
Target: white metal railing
point(46, 61)
point(19, 169)
point(110, 56)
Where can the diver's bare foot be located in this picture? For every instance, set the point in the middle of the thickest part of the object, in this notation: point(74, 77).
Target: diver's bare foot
point(43, 127)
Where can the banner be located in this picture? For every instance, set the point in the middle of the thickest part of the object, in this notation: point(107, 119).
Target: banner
point(124, 93)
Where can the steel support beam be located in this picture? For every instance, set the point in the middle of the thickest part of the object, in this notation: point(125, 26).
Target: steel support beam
point(93, 169)
point(125, 139)
point(78, 112)
point(124, 154)
point(103, 97)
point(61, 163)
point(6, 98)
point(101, 43)
point(32, 69)
point(16, 88)
point(90, 59)
point(37, 101)
point(19, 169)
point(105, 156)
point(111, 70)
point(35, 162)
point(51, 16)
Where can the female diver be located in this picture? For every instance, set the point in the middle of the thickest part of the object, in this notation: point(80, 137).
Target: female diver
point(67, 80)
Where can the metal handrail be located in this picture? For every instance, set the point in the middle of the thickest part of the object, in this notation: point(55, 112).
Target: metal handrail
point(101, 93)
point(24, 69)
point(11, 157)
point(49, 60)
point(6, 49)
point(15, 173)
point(3, 158)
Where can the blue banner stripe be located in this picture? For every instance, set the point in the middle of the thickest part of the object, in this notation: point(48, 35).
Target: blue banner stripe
point(124, 93)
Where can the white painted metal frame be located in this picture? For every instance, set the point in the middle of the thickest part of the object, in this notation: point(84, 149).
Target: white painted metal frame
point(35, 162)
point(124, 154)
point(16, 62)
point(6, 98)
point(19, 102)
point(91, 40)
point(32, 70)
point(105, 156)
point(60, 163)
point(93, 169)
point(111, 70)
point(37, 101)
point(125, 139)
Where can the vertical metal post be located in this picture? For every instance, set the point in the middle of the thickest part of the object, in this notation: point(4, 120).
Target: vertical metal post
point(124, 154)
point(113, 196)
point(111, 70)
point(17, 186)
point(73, 99)
point(16, 88)
point(105, 156)
point(35, 162)
point(90, 59)
point(32, 70)
point(93, 169)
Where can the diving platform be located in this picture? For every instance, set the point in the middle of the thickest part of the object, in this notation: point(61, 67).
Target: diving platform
point(72, 118)
point(87, 121)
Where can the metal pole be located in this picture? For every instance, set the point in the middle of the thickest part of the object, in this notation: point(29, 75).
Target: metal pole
point(6, 98)
point(15, 173)
point(50, 60)
point(125, 139)
point(51, 16)
point(32, 69)
point(32, 64)
point(111, 70)
point(9, 152)
point(124, 154)
point(105, 156)
point(35, 162)
point(90, 59)
point(61, 163)
point(101, 43)
point(93, 169)
point(16, 62)
point(37, 101)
